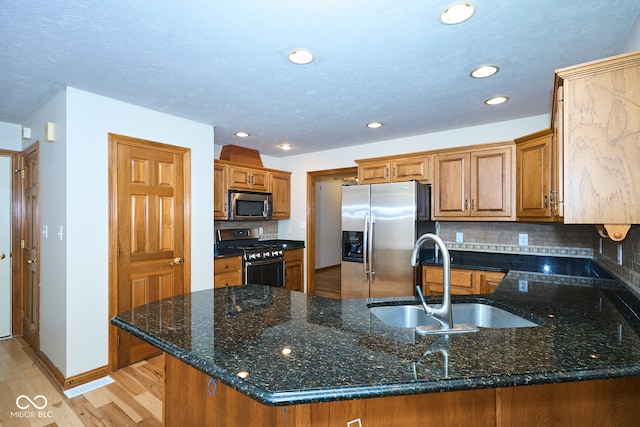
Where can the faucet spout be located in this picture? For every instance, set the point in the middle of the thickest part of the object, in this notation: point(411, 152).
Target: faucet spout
point(443, 314)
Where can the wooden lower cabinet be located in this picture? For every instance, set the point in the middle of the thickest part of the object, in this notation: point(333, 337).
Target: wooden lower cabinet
point(192, 398)
point(463, 281)
point(227, 271)
point(294, 269)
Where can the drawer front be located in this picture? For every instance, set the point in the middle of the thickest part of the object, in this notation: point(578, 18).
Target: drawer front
point(222, 280)
point(458, 277)
point(294, 254)
point(227, 264)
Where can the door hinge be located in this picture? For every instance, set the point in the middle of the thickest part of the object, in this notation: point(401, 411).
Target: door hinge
point(21, 172)
point(118, 252)
point(21, 314)
point(117, 163)
point(118, 341)
point(22, 244)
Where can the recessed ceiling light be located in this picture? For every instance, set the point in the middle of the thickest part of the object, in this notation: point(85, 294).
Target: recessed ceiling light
point(484, 71)
point(496, 100)
point(374, 125)
point(241, 134)
point(300, 56)
point(457, 13)
point(286, 147)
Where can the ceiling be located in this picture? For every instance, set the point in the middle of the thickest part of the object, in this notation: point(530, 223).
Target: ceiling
point(224, 62)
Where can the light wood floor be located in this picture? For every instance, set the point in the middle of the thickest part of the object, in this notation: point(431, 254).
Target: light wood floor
point(328, 282)
point(134, 399)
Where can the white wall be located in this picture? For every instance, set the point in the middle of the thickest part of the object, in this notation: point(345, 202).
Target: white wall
point(53, 210)
point(295, 227)
point(90, 119)
point(10, 136)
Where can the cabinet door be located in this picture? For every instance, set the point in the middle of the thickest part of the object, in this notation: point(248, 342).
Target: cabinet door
point(533, 178)
point(294, 273)
point(488, 281)
point(260, 180)
point(220, 191)
point(556, 196)
point(281, 193)
point(410, 168)
point(451, 183)
point(374, 172)
point(239, 178)
point(491, 189)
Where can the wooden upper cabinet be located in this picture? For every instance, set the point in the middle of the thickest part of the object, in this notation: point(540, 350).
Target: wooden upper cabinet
point(233, 176)
point(474, 184)
point(220, 188)
point(281, 193)
point(533, 176)
point(242, 178)
point(398, 169)
point(599, 129)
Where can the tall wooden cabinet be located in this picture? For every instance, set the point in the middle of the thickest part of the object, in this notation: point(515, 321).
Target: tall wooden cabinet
point(220, 187)
point(474, 184)
point(597, 126)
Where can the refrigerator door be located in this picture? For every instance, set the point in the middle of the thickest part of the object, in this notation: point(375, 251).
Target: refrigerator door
point(393, 213)
point(354, 281)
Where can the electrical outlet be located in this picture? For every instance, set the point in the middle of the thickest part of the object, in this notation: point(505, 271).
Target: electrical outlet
point(523, 239)
point(523, 285)
point(459, 237)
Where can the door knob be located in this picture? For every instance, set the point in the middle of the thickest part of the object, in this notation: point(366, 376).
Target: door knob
point(177, 260)
point(2, 256)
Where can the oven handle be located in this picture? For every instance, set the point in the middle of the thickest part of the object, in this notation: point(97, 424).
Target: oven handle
point(267, 261)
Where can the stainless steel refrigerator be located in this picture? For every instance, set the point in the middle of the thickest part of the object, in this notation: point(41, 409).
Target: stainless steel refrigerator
point(379, 229)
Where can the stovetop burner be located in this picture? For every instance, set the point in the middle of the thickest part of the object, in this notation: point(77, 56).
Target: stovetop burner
point(246, 242)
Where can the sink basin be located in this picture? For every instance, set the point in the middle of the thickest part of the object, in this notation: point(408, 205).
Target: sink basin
point(481, 315)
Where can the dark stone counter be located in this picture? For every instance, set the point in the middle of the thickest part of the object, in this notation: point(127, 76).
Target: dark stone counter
point(301, 349)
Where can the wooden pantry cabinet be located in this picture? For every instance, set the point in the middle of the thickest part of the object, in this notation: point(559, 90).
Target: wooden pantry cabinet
point(595, 121)
point(472, 185)
point(232, 176)
point(395, 169)
point(463, 281)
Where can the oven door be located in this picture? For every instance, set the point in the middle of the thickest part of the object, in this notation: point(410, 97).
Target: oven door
point(264, 272)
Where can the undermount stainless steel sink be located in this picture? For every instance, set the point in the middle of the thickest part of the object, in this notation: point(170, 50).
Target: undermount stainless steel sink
point(478, 314)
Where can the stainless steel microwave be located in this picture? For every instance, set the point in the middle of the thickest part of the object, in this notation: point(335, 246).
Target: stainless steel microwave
point(248, 205)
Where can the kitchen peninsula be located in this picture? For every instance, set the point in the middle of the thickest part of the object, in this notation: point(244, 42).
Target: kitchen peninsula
point(263, 356)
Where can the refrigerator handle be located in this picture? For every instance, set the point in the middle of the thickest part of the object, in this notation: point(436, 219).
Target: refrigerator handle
point(370, 249)
point(365, 247)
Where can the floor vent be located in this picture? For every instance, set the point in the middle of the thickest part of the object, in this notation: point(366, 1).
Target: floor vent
point(77, 391)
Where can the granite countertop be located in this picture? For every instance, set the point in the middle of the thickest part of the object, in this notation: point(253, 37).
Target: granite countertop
point(298, 348)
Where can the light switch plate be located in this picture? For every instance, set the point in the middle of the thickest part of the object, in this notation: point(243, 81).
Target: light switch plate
point(523, 239)
point(459, 237)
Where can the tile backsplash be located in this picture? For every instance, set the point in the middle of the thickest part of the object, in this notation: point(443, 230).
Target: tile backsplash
point(543, 238)
point(629, 248)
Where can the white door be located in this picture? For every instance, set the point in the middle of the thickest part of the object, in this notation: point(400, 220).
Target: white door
point(5, 246)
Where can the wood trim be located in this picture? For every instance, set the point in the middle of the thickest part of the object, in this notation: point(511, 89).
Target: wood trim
point(113, 141)
point(475, 147)
point(311, 219)
point(16, 215)
point(86, 377)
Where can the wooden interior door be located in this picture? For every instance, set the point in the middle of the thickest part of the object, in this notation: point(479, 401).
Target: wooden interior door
point(151, 230)
point(30, 243)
